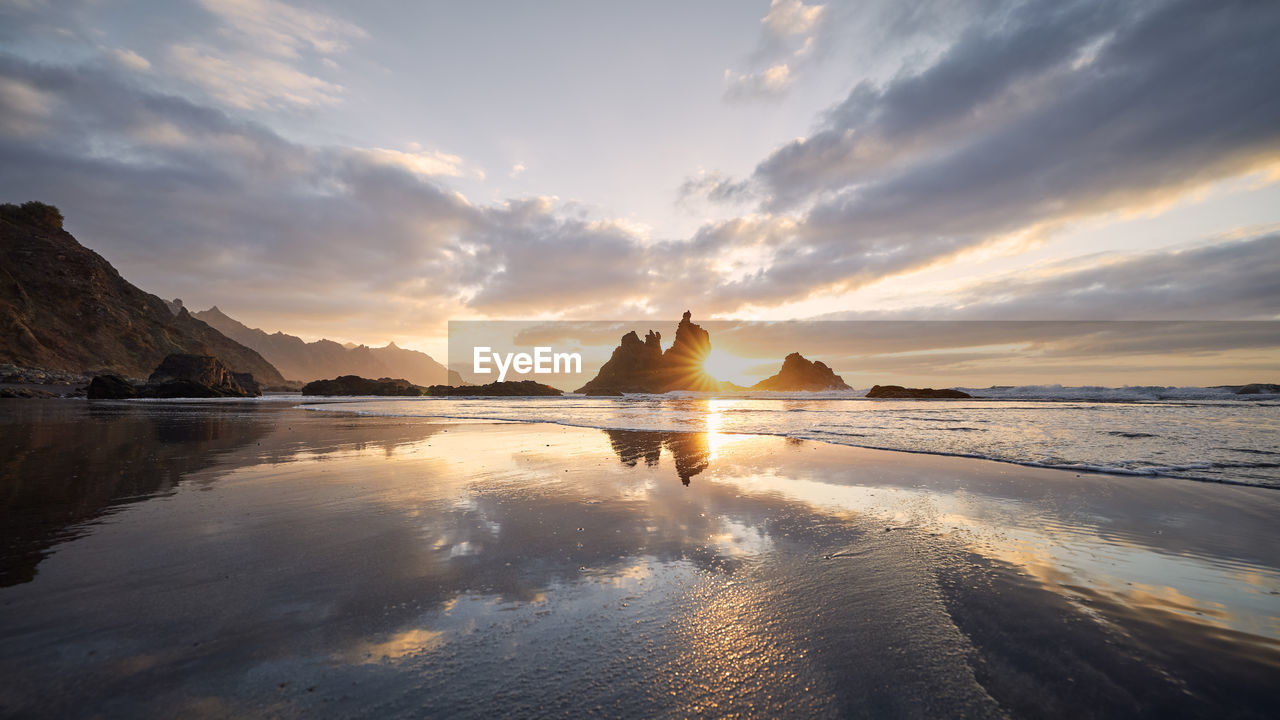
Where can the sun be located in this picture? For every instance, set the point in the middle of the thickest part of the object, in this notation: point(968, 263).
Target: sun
point(723, 365)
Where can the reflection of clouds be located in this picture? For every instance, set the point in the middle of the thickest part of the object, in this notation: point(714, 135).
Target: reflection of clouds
point(398, 646)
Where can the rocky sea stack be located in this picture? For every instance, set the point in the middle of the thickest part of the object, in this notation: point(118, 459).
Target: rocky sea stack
point(638, 366)
point(798, 374)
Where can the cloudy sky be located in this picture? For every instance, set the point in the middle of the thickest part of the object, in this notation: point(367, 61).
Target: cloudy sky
point(369, 171)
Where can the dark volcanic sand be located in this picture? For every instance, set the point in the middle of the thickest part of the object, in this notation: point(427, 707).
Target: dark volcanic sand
point(233, 559)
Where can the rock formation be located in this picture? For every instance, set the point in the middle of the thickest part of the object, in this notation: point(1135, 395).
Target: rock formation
point(64, 308)
point(797, 373)
point(355, 385)
point(897, 391)
point(179, 376)
point(307, 361)
point(506, 388)
point(642, 367)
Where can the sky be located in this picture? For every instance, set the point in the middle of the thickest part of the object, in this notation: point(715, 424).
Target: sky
point(369, 171)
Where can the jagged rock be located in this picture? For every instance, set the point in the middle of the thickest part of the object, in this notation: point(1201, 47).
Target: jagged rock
point(356, 385)
point(634, 367)
point(110, 387)
point(508, 388)
point(797, 373)
point(642, 367)
point(196, 376)
point(899, 392)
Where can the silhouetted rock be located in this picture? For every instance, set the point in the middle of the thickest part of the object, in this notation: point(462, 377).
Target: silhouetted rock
point(634, 367)
point(897, 391)
point(196, 376)
point(356, 385)
point(110, 387)
point(1258, 389)
point(642, 367)
point(797, 373)
point(64, 308)
point(506, 388)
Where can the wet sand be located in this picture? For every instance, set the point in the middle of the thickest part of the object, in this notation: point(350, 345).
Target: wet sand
point(230, 560)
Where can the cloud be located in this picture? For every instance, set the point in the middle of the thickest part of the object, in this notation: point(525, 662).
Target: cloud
point(791, 17)
point(772, 82)
point(516, 170)
point(1031, 119)
point(258, 58)
point(283, 30)
point(26, 108)
point(1233, 280)
point(786, 41)
point(248, 82)
point(426, 163)
point(1025, 120)
point(128, 59)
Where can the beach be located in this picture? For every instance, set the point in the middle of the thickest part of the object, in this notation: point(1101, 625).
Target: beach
point(231, 559)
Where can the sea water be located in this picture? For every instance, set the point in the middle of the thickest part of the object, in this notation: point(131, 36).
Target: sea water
point(1207, 434)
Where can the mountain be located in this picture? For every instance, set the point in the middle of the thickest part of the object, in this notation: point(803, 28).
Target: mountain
point(64, 307)
point(798, 373)
point(324, 359)
point(642, 367)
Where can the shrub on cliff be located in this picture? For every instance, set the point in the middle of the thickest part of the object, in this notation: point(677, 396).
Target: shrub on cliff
point(33, 212)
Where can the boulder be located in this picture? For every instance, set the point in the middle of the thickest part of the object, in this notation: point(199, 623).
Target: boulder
point(797, 374)
point(195, 376)
point(899, 392)
point(110, 387)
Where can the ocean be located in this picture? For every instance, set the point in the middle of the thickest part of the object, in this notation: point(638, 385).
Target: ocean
point(1206, 434)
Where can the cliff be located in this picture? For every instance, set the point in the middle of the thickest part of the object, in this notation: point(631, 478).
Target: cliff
point(63, 307)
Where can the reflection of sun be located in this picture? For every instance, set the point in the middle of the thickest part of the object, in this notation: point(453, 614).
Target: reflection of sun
point(723, 365)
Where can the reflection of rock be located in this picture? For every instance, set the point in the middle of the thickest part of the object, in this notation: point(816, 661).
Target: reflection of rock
point(642, 367)
point(897, 391)
point(62, 469)
point(797, 373)
point(690, 451)
point(631, 445)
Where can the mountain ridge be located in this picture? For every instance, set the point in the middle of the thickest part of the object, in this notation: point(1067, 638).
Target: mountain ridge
point(323, 359)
